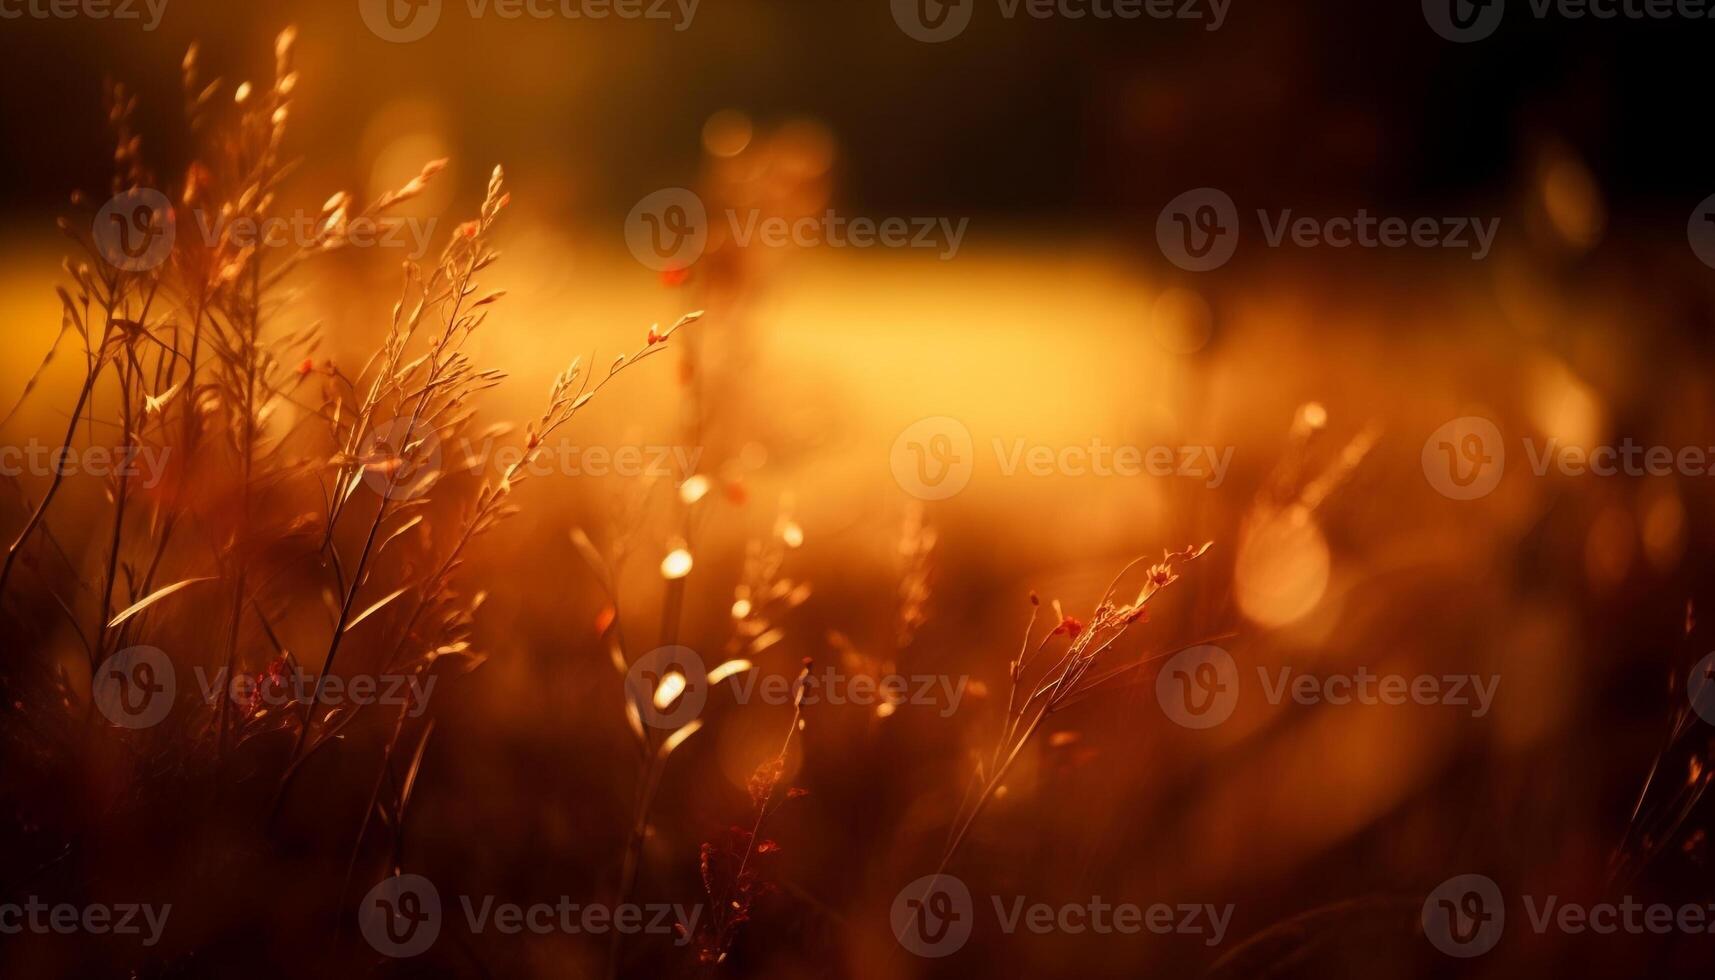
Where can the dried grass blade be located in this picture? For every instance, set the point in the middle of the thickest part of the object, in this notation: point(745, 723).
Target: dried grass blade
point(154, 597)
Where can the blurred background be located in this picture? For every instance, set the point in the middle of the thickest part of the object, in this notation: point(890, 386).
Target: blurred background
point(1057, 321)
